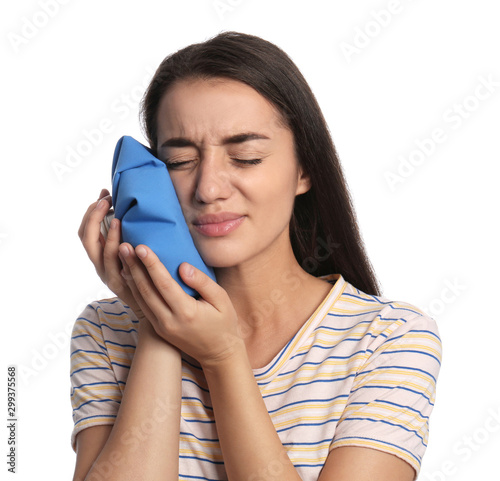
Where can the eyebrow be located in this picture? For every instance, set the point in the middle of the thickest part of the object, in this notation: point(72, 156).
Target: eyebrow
point(232, 139)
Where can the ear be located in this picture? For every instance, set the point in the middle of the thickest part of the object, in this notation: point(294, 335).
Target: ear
point(303, 182)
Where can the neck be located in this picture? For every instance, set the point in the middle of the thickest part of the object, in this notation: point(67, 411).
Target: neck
point(270, 291)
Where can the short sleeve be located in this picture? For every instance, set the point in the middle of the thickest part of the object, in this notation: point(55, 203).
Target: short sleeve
point(393, 392)
point(95, 391)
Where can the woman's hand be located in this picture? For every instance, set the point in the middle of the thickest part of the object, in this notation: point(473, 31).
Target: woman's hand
point(104, 252)
point(205, 328)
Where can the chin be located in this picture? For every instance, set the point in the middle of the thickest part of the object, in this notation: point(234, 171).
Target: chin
point(220, 261)
point(221, 256)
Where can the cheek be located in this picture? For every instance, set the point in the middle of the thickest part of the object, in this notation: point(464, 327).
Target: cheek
point(183, 188)
point(274, 198)
point(279, 185)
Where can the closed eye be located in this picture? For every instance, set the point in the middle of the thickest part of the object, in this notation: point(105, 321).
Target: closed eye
point(176, 165)
point(248, 162)
point(183, 163)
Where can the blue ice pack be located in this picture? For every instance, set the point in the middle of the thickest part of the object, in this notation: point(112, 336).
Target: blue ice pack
point(145, 202)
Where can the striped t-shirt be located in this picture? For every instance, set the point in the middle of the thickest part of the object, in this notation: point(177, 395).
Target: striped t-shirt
point(361, 371)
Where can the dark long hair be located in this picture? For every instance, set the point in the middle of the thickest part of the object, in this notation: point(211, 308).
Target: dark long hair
point(323, 229)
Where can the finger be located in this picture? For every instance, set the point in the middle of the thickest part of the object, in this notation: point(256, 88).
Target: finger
point(209, 290)
point(125, 271)
point(91, 208)
point(91, 234)
point(81, 229)
point(142, 286)
point(111, 260)
point(135, 269)
point(104, 193)
point(136, 295)
point(167, 286)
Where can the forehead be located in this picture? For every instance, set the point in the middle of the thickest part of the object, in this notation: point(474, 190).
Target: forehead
point(215, 108)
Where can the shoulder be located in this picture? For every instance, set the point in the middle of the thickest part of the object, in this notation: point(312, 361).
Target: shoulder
point(378, 322)
point(106, 319)
point(111, 309)
point(382, 310)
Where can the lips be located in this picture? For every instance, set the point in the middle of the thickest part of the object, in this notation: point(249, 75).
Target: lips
point(216, 225)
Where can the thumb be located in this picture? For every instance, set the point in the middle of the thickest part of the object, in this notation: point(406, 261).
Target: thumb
point(209, 290)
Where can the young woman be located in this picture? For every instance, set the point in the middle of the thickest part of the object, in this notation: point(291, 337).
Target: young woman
point(292, 366)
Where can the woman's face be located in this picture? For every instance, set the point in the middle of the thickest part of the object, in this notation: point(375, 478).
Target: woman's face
point(233, 167)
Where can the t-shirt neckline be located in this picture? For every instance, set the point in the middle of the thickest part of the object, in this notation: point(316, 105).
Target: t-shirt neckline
point(269, 371)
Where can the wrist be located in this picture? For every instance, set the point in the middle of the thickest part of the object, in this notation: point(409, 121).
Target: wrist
point(236, 353)
point(148, 336)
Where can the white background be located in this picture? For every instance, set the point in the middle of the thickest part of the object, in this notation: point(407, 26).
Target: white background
point(385, 82)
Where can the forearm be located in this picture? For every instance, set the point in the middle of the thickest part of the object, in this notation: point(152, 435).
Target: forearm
point(251, 447)
point(144, 441)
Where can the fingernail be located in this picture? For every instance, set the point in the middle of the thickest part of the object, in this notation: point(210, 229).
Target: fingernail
point(189, 270)
point(141, 252)
point(114, 224)
point(124, 250)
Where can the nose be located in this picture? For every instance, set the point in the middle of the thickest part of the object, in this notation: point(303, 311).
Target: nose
point(212, 181)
